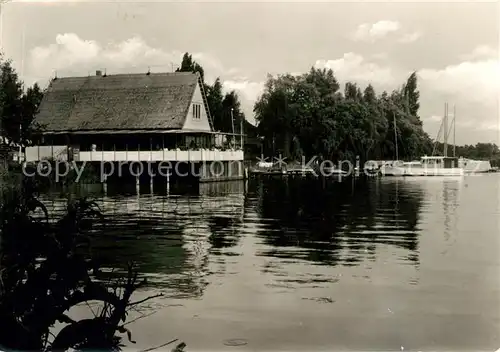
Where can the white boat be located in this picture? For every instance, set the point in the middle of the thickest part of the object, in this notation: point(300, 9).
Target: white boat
point(438, 165)
point(474, 166)
point(427, 166)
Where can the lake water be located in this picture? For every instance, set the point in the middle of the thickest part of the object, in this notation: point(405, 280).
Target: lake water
point(270, 265)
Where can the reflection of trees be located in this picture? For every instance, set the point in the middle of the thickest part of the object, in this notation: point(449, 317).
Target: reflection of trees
point(335, 223)
point(168, 233)
point(224, 232)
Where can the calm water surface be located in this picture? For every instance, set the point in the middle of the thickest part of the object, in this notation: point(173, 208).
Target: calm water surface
point(385, 264)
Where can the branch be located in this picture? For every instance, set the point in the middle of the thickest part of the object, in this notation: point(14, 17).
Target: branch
point(145, 299)
point(155, 348)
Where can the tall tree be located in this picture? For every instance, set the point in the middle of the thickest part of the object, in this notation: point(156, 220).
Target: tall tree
point(189, 65)
point(17, 108)
point(310, 111)
point(220, 104)
point(215, 97)
point(411, 95)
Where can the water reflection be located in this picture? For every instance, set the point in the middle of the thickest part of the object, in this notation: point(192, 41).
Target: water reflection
point(168, 234)
point(339, 224)
point(286, 260)
point(180, 238)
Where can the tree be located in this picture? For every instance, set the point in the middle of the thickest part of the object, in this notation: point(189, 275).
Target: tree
point(307, 115)
point(17, 108)
point(189, 65)
point(214, 98)
point(411, 95)
point(220, 104)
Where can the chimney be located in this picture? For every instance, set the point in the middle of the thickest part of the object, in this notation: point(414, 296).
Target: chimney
point(98, 73)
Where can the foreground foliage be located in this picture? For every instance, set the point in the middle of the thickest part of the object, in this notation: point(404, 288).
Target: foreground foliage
point(46, 269)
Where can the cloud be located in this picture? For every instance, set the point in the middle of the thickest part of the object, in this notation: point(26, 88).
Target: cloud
point(473, 81)
point(250, 90)
point(481, 52)
point(353, 67)
point(472, 84)
point(375, 31)
point(71, 55)
point(410, 37)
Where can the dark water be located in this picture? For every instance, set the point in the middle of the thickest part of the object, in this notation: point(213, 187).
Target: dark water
point(385, 264)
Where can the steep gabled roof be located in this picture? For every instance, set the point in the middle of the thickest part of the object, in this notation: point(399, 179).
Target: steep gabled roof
point(115, 102)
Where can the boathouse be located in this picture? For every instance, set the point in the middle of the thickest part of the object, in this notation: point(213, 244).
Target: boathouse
point(136, 118)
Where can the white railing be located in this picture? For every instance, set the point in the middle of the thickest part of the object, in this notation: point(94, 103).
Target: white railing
point(57, 152)
point(39, 153)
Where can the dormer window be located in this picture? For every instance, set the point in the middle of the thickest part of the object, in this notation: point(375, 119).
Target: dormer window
point(197, 111)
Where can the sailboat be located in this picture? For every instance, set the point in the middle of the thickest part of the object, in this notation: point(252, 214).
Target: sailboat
point(427, 165)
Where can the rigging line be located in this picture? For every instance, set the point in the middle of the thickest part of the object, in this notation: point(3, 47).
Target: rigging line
point(437, 138)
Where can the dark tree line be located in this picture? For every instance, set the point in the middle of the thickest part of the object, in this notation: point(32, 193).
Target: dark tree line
point(309, 115)
point(480, 151)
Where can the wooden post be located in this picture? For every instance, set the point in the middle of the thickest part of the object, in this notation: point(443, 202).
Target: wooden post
point(168, 182)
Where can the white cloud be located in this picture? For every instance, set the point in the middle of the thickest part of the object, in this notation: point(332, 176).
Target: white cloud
point(250, 90)
point(477, 82)
point(378, 30)
point(472, 85)
point(71, 55)
point(482, 52)
point(410, 37)
point(354, 67)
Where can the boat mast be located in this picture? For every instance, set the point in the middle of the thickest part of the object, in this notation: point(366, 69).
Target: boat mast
point(445, 122)
point(454, 128)
point(395, 135)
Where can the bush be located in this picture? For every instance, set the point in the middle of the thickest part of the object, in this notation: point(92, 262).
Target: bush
point(46, 268)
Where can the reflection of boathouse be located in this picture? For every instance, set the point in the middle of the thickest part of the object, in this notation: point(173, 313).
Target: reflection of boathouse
point(141, 118)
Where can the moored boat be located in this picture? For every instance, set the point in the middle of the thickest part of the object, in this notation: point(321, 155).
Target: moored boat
point(474, 166)
point(427, 166)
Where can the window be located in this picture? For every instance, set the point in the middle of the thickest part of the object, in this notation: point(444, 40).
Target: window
point(197, 111)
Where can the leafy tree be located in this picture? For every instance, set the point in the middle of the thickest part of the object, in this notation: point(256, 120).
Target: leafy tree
point(215, 97)
point(412, 95)
point(189, 65)
point(307, 115)
point(17, 107)
point(220, 104)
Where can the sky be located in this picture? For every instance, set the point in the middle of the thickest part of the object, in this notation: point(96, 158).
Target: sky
point(453, 46)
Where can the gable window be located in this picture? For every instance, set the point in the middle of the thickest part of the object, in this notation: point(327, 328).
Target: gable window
point(197, 111)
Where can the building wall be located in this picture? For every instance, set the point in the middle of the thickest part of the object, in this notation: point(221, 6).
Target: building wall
point(193, 123)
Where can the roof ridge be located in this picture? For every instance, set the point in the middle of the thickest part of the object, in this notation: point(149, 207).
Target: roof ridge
point(132, 74)
point(133, 100)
